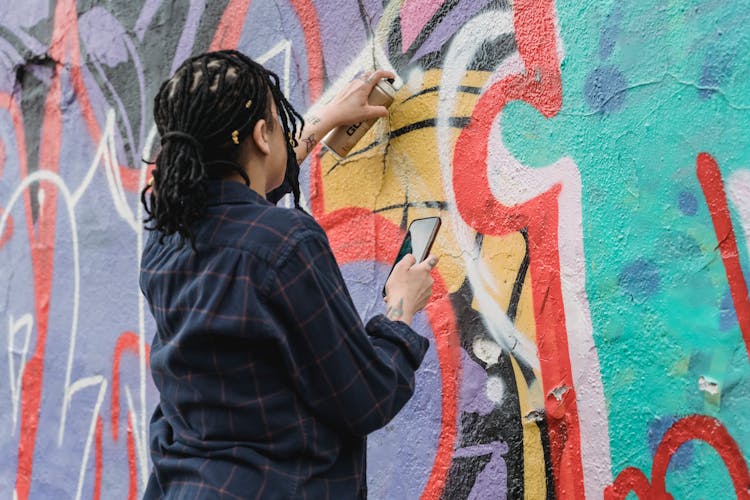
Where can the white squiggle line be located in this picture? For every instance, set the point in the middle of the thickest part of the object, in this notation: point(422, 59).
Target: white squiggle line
point(142, 450)
point(489, 25)
point(285, 47)
point(108, 126)
point(514, 183)
point(738, 188)
point(106, 154)
point(77, 386)
point(114, 180)
point(27, 320)
point(45, 175)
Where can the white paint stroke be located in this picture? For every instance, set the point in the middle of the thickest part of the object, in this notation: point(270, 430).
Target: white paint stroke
point(26, 322)
point(282, 47)
point(142, 374)
point(81, 384)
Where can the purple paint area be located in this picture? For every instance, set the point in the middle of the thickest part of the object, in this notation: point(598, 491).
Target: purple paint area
point(103, 37)
point(473, 397)
point(262, 31)
point(23, 15)
point(605, 89)
point(610, 32)
point(687, 202)
point(107, 305)
point(656, 430)
point(449, 25)
point(492, 481)
point(187, 39)
point(343, 41)
point(640, 279)
point(17, 297)
point(144, 18)
point(401, 454)
point(9, 58)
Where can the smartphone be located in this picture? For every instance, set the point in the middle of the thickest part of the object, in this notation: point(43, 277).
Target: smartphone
point(418, 241)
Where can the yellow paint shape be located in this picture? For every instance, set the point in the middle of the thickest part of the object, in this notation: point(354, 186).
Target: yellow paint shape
point(534, 473)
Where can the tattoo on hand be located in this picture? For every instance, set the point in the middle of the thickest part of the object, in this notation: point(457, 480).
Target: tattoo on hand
point(395, 312)
point(310, 142)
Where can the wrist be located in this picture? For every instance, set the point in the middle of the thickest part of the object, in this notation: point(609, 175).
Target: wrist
point(398, 311)
point(325, 119)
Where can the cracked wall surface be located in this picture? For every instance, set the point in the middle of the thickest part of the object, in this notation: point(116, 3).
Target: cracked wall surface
point(590, 323)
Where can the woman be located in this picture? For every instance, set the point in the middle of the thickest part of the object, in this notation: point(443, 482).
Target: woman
point(268, 380)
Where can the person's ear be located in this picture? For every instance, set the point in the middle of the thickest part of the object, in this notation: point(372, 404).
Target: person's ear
point(262, 137)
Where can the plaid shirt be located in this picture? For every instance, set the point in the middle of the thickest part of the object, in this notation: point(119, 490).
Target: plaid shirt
point(268, 380)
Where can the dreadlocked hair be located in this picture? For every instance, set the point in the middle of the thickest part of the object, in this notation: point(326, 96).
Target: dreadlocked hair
point(202, 114)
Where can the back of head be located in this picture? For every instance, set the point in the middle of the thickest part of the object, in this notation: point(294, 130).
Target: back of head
point(203, 113)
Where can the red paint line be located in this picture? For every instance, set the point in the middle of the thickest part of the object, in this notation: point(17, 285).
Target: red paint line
point(127, 341)
point(712, 184)
point(98, 460)
point(308, 17)
point(313, 43)
point(9, 103)
point(229, 30)
point(42, 243)
point(711, 431)
point(357, 234)
point(132, 470)
point(8, 233)
point(630, 479)
point(540, 85)
point(700, 427)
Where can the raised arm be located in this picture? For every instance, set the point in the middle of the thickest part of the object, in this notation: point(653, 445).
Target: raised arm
point(348, 107)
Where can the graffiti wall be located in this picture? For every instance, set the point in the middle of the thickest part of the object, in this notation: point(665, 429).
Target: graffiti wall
point(590, 326)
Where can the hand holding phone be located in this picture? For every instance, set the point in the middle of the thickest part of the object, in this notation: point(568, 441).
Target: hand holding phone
point(409, 283)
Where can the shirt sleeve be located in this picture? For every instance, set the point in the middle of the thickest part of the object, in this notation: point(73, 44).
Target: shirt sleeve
point(352, 377)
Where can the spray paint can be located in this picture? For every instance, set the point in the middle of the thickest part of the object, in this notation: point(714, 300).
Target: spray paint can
point(342, 139)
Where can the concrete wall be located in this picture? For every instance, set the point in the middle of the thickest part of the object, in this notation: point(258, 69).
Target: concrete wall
point(590, 160)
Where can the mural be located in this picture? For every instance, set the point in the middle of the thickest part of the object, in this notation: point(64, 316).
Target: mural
point(590, 326)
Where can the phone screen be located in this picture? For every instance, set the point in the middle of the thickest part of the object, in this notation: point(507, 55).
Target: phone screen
point(418, 240)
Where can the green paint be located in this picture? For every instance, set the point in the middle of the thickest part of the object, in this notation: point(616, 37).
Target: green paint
point(658, 330)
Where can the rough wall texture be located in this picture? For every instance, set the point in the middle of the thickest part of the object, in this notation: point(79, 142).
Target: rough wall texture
point(590, 159)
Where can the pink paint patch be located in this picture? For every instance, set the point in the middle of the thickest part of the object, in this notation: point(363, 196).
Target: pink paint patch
point(8, 230)
point(414, 15)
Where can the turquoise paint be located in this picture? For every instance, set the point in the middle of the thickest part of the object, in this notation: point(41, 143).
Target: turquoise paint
point(659, 327)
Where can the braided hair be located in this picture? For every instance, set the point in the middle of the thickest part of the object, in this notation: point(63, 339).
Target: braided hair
point(203, 113)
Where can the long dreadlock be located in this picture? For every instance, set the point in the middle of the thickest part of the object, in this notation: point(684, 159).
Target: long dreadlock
point(203, 113)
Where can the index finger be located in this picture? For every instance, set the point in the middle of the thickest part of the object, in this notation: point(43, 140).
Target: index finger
point(377, 75)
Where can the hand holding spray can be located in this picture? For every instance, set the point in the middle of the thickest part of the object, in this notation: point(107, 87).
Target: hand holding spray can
point(342, 139)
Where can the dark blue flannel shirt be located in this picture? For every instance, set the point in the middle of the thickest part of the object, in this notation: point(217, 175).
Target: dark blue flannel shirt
point(268, 380)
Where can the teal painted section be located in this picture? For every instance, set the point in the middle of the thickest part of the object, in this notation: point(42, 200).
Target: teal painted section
point(647, 86)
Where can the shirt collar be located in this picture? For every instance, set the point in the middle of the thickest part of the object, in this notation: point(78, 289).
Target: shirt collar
point(219, 192)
